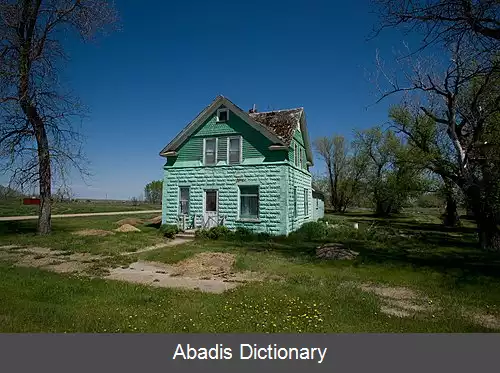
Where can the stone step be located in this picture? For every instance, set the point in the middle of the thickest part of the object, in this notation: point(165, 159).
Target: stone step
point(185, 235)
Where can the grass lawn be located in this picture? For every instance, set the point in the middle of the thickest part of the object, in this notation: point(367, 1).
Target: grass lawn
point(408, 252)
point(62, 238)
point(15, 207)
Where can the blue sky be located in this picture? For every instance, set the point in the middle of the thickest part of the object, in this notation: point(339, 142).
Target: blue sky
point(146, 82)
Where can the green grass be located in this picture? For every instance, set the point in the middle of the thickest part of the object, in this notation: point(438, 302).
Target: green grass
point(24, 233)
point(315, 296)
point(15, 207)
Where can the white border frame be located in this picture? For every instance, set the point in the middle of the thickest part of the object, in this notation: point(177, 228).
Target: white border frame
point(241, 148)
point(218, 115)
point(250, 220)
point(216, 150)
point(205, 201)
point(179, 199)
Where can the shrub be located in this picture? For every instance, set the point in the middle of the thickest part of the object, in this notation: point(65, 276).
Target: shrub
point(244, 234)
point(215, 233)
point(169, 230)
point(312, 231)
point(201, 233)
point(219, 232)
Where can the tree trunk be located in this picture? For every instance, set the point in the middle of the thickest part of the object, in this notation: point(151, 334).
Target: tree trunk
point(487, 220)
point(450, 218)
point(44, 171)
point(489, 234)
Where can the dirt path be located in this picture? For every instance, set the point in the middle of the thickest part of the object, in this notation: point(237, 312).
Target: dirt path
point(34, 217)
point(174, 242)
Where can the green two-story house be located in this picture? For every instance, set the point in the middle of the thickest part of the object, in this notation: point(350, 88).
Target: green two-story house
point(240, 169)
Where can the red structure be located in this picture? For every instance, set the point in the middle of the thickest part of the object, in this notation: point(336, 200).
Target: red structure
point(31, 201)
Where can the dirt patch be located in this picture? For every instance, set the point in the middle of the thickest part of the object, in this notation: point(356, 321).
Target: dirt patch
point(208, 272)
point(400, 301)
point(212, 265)
point(335, 251)
point(93, 232)
point(206, 264)
point(154, 221)
point(394, 311)
point(486, 320)
point(130, 221)
point(125, 228)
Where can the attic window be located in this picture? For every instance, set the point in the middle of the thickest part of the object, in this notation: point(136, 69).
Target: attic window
point(222, 115)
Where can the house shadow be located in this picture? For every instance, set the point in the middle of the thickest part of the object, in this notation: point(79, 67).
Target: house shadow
point(464, 265)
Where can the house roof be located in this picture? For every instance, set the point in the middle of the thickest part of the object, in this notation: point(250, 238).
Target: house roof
point(278, 126)
point(282, 122)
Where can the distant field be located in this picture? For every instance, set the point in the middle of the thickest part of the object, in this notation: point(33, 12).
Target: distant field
point(15, 207)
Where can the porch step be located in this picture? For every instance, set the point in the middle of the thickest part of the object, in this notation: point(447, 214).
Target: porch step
point(186, 234)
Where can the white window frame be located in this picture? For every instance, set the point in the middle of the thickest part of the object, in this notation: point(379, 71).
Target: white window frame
point(301, 165)
point(241, 148)
point(179, 212)
point(239, 202)
point(205, 147)
point(221, 111)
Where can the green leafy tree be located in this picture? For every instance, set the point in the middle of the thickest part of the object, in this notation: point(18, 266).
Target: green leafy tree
point(153, 191)
point(395, 173)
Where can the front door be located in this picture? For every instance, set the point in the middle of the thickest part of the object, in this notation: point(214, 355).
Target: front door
point(211, 206)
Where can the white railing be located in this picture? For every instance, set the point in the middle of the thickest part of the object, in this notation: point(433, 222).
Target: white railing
point(185, 222)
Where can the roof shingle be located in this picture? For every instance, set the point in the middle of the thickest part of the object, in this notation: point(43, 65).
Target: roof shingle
point(282, 122)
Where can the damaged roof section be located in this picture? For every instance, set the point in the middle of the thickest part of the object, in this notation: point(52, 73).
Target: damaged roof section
point(281, 122)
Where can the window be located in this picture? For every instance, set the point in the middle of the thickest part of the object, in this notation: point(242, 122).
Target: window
point(234, 150)
point(306, 202)
point(317, 204)
point(210, 151)
point(222, 115)
point(184, 200)
point(301, 158)
point(210, 201)
point(249, 202)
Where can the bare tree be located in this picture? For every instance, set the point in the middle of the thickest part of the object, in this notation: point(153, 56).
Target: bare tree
point(463, 98)
point(443, 22)
point(37, 135)
point(345, 170)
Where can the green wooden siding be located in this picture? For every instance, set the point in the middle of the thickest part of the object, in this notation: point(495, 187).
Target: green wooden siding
point(255, 144)
point(299, 138)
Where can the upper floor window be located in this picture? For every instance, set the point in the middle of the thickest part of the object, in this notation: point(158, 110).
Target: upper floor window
point(301, 158)
point(234, 148)
point(210, 151)
point(222, 115)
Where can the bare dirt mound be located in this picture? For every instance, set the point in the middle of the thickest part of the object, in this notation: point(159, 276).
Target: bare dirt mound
point(335, 251)
point(125, 228)
point(486, 320)
point(154, 221)
point(206, 264)
point(92, 232)
point(130, 221)
point(209, 272)
point(400, 301)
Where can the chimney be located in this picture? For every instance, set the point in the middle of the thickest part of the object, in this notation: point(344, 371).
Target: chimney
point(253, 109)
